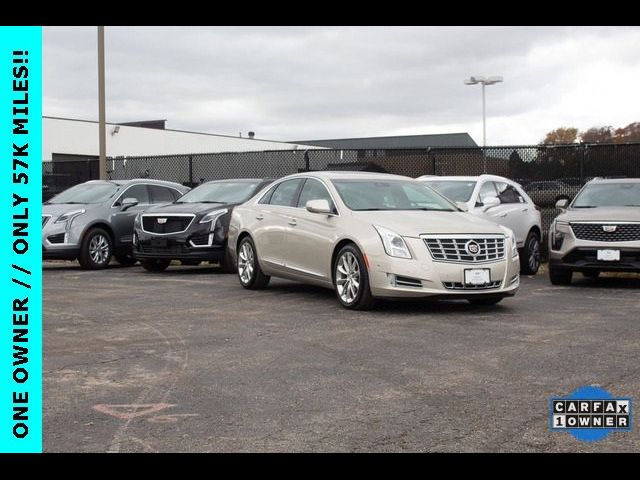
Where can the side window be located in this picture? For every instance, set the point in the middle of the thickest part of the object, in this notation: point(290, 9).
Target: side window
point(161, 194)
point(508, 194)
point(314, 190)
point(267, 196)
point(138, 192)
point(284, 194)
point(488, 189)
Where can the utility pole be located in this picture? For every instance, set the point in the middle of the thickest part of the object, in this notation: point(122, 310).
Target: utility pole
point(102, 127)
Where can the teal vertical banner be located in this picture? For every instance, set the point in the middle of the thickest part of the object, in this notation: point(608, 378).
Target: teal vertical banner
point(20, 242)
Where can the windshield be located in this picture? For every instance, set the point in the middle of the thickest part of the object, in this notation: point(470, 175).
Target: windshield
point(86, 193)
point(222, 192)
point(456, 190)
point(390, 195)
point(608, 195)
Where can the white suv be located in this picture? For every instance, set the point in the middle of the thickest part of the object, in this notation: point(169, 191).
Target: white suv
point(502, 201)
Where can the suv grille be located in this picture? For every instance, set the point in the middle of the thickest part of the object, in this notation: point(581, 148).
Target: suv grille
point(168, 250)
point(454, 248)
point(172, 223)
point(624, 232)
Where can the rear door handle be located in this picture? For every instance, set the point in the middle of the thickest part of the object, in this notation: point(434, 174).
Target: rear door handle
point(292, 222)
point(525, 210)
point(260, 217)
point(503, 215)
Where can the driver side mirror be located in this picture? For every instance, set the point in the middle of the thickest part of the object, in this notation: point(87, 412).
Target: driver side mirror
point(318, 206)
point(562, 204)
point(490, 202)
point(128, 202)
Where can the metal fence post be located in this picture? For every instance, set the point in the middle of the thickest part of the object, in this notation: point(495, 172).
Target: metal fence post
point(583, 149)
point(190, 171)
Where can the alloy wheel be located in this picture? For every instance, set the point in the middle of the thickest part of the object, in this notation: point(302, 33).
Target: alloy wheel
point(348, 277)
point(99, 249)
point(246, 263)
point(534, 254)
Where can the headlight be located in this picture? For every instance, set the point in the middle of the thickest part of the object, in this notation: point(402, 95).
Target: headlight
point(393, 243)
point(69, 216)
point(558, 230)
point(213, 215)
point(514, 246)
point(138, 219)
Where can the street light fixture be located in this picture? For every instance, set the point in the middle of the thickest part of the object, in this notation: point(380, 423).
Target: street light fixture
point(484, 81)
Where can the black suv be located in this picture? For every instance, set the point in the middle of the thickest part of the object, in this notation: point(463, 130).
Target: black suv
point(193, 228)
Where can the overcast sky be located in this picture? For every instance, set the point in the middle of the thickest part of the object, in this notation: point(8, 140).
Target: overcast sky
point(298, 83)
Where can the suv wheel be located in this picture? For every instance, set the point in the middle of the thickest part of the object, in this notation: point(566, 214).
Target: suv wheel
point(249, 271)
point(560, 276)
point(530, 258)
point(96, 249)
point(155, 265)
point(351, 279)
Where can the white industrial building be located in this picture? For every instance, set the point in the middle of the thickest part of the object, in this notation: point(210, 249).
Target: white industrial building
point(69, 139)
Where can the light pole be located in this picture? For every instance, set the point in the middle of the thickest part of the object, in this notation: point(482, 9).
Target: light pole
point(102, 135)
point(484, 82)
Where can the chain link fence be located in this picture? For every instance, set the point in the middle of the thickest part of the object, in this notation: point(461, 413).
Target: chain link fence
point(546, 172)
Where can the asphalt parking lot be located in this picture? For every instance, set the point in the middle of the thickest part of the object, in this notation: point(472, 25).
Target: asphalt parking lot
point(187, 360)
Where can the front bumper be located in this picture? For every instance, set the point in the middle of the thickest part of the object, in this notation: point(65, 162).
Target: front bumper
point(59, 241)
point(193, 244)
point(421, 276)
point(582, 255)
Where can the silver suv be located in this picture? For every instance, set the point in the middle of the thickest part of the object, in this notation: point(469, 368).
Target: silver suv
point(93, 221)
point(598, 232)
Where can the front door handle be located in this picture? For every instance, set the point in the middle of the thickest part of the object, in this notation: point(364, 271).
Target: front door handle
point(292, 222)
point(260, 217)
point(503, 215)
point(525, 210)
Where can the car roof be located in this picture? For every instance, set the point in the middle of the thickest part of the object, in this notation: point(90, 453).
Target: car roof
point(139, 180)
point(615, 180)
point(465, 178)
point(239, 180)
point(346, 175)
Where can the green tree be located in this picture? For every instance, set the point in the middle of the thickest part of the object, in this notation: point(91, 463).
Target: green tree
point(561, 136)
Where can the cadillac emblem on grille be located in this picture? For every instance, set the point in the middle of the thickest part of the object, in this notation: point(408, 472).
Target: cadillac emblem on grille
point(472, 248)
point(609, 228)
point(162, 220)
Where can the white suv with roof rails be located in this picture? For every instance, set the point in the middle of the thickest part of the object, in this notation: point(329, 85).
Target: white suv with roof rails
point(501, 200)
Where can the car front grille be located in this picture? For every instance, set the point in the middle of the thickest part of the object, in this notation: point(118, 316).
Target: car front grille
point(166, 223)
point(45, 219)
point(462, 286)
point(607, 232)
point(455, 248)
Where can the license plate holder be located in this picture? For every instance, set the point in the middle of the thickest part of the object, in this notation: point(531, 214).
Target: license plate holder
point(159, 242)
point(477, 276)
point(608, 255)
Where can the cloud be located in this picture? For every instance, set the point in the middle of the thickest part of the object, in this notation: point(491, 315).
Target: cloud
point(290, 83)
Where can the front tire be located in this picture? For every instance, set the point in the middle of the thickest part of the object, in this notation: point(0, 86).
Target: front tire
point(530, 258)
point(351, 279)
point(560, 276)
point(155, 265)
point(96, 249)
point(250, 274)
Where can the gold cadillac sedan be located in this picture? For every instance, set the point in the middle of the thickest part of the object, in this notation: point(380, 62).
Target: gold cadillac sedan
point(371, 235)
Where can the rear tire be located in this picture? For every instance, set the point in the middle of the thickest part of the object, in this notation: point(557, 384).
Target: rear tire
point(351, 279)
point(155, 265)
point(96, 249)
point(560, 276)
point(530, 258)
point(250, 274)
point(485, 301)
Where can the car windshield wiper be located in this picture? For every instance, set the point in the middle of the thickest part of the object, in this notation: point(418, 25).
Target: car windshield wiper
point(632, 205)
point(585, 206)
point(211, 201)
point(67, 203)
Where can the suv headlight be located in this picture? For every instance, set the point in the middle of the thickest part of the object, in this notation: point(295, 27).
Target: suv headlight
point(514, 245)
point(213, 215)
point(69, 216)
point(558, 231)
point(393, 243)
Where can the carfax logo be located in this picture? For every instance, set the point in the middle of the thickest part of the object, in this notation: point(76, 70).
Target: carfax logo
point(590, 414)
